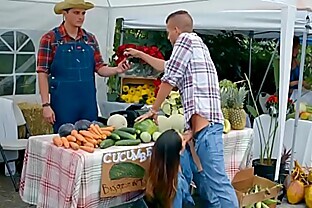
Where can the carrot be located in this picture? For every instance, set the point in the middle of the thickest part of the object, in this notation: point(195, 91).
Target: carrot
point(78, 136)
point(93, 127)
point(108, 128)
point(103, 136)
point(57, 141)
point(94, 134)
point(79, 142)
point(65, 142)
point(106, 133)
point(71, 138)
point(87, 149)
point(86, 133)
point(74, 146)
point(92, 141)
point(98, 128)
point(88, 144)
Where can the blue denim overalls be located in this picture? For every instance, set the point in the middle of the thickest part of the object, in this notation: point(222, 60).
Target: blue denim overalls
point(72, 82)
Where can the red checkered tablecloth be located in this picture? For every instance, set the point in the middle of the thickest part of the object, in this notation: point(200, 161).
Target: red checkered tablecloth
point(237, 150)
point(57, 177)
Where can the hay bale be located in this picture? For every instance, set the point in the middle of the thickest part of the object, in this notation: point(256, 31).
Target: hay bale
point(34, 118)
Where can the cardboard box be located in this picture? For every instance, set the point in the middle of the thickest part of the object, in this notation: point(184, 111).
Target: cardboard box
point(246, 179)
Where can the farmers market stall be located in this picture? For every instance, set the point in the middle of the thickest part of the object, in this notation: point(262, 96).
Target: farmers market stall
point(58, 177)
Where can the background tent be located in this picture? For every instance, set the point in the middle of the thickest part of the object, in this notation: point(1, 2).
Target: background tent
point(35, 17)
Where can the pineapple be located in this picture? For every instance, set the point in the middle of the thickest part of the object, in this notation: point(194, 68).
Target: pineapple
point(236, 113)
point(224, 94)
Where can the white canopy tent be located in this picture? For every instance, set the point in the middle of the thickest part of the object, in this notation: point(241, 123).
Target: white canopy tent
point(35, 17)
point(262, 23)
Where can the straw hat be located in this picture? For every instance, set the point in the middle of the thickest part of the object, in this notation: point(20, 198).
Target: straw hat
point(69, 4)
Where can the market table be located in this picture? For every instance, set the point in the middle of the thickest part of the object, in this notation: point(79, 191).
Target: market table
point(58, 177)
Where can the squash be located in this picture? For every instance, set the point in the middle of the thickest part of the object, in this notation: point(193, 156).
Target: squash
point(100, 124)
point(156, 135)
point(117, 121)
point(65, 129)
point(145, 137)
point(163, 123)
point(177, 122)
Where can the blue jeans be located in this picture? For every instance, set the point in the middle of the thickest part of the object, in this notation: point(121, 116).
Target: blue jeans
point(213, 183)
point(183, 195)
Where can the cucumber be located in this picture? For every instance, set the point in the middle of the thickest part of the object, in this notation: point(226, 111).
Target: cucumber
point(126, 170)
point(125, 135)
point(128, 129)
point(146, 137)
point(107, 143)
point(128, 142)
point(114, 136)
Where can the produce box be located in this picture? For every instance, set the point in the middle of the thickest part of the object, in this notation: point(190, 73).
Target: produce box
point(138, 90)
point(245, 180)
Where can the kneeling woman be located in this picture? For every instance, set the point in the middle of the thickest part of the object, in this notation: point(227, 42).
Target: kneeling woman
point(166, 186)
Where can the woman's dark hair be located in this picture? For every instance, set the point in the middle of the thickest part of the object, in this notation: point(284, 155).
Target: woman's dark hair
point(163, 172)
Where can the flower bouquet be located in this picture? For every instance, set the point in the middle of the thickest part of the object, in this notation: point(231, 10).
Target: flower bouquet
point(139, 67)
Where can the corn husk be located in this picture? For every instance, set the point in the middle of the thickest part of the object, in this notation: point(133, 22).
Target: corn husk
point(34, 118)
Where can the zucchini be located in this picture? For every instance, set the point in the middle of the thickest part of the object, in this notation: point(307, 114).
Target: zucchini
point(126, 170)
point(114, 136)
point(128, 142)
point(107, 143)
point(128, 129)
point(138, 131)
point(125, 135)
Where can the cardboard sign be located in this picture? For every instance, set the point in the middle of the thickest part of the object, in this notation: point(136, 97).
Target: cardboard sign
point(125, 171)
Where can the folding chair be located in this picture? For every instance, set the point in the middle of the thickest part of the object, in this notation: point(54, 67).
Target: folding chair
point(14, 144)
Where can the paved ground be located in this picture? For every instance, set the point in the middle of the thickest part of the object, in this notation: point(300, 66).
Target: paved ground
point(11, 199)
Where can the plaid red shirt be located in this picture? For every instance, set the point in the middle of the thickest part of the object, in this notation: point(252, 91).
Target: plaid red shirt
point(191, 69)
point(48, 45)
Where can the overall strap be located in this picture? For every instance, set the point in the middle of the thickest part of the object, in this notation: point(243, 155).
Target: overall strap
point(58, 37)
point(85, 36)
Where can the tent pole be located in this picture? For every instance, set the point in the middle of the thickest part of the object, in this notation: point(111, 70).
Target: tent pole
point(251, 36)
point(267, 70)
point(303, 54)
point(288, 17)
point(122, 31)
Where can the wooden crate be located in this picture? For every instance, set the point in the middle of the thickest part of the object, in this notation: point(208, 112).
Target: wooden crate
point(132, 80)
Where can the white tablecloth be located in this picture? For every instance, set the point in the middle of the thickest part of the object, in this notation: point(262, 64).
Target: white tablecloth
point(303, 141)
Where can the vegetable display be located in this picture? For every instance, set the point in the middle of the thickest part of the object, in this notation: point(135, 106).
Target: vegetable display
point(88, 136)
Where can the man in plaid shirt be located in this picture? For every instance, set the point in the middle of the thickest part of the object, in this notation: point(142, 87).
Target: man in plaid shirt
point(69, 56)
point(191, 69)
